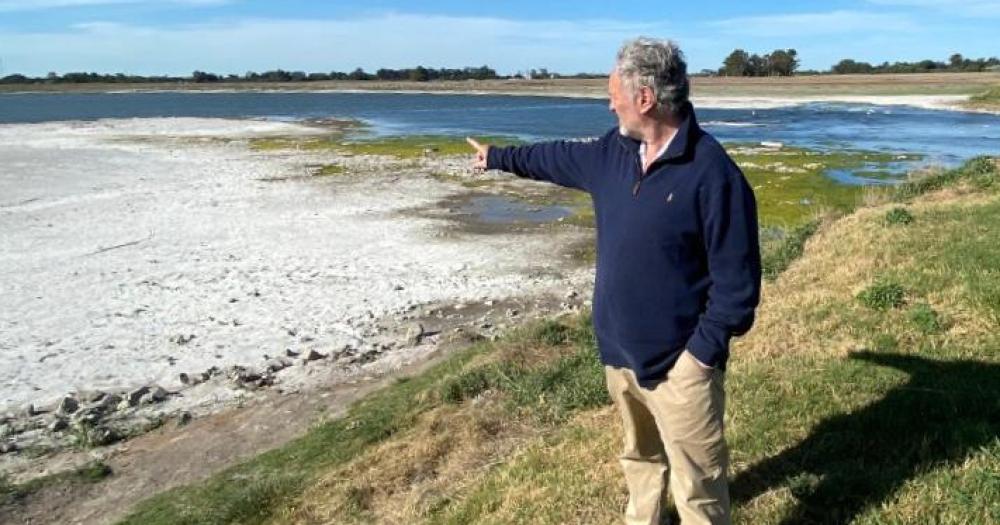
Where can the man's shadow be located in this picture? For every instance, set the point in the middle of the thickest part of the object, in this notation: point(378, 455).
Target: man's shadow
point(850, 462)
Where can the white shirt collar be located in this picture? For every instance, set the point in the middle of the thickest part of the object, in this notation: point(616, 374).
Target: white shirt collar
point(642, 150)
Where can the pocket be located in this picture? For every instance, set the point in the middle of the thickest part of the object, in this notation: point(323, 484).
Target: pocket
point(697, 366)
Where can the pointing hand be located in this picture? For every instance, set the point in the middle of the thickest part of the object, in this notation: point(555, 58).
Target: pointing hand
point(479, 164)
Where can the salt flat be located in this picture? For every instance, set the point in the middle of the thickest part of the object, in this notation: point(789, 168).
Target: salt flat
point(132, 250)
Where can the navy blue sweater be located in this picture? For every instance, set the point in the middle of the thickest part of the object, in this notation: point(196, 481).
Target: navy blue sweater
point(678, 257)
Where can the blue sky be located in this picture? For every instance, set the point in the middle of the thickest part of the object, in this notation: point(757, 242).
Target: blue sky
point(234, 36)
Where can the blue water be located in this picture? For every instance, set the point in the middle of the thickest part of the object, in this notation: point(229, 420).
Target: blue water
point(944, 137)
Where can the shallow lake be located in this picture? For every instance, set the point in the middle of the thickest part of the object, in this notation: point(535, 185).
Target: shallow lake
point(943, 137)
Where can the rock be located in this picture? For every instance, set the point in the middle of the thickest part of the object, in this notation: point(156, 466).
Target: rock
point(571, 294)
point(108, 402)
point(181, 339)
point(94, 411)
point(155, 395)
point(277, 364)
point(6, 430)
point(512, 312)
point(30, 411)
point(184, 418)
point(58, 424)
point(67, 405)
point(210, 373)
point(134, 397)
point(7, 448)
point(313, 355)
point(92, 396)
point(291, 353)
point(414, 334)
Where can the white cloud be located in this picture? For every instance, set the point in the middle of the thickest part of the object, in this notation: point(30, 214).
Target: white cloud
point(38, 5)
point(953, 7)
point(813, 24)
point(385, 40)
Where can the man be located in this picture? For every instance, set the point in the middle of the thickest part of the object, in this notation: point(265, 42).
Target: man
point(678, 274)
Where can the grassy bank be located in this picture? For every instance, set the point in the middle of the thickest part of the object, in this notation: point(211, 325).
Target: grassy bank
point(988, 100)
point(866, 393)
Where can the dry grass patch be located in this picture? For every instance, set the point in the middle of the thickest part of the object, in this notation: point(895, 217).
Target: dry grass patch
point(812, 305)
point(414, 474)
point(568, 476)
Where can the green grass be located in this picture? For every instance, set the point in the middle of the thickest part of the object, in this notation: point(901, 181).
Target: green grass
point(898, 216)
point(925, 318)
point(549, 393)
point(989, 99)
point(980, 172)
point(902, 434)
point(91, 472)
point(780, 249)
point(882, 295)
point(253, 491)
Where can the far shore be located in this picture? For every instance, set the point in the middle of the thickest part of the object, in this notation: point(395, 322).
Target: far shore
point(947, 91)
point(797, 86)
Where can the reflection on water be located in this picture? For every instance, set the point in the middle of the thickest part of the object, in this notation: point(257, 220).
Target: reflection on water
point(504, 210)
point(874, 173)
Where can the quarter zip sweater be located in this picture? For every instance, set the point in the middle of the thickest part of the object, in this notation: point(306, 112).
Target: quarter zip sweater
point(678, 255)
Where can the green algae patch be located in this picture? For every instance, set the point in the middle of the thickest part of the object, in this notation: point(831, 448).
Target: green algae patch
point(792, 186)
point(349, 142)
point(327, 170)
point(416, 146)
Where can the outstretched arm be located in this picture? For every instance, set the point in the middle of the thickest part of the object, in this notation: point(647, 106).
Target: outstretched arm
point(566, 163)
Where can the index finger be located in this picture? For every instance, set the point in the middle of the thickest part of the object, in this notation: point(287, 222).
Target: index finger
point(472, 142)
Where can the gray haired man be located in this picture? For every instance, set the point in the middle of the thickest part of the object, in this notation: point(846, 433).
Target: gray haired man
point(678, 275)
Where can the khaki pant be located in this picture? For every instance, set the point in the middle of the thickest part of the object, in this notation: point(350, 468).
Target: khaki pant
point(681, 417)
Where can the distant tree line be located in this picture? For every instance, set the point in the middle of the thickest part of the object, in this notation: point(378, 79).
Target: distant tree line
point(955, 63)
point(777, 63)
point(739, 63)
point(418, 74)
point(785, 62)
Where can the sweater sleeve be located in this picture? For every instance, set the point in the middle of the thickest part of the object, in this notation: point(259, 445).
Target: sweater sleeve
point(563, 162)
point(729, 226)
